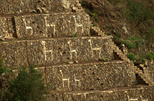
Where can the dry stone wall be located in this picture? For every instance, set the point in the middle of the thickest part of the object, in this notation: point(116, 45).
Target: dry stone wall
point(55, 50)
point(22, 6)
point(14, 53)
point(52, 25)
point(131, 94)
point(45, 25)
point(102, 75)
point(7, 26)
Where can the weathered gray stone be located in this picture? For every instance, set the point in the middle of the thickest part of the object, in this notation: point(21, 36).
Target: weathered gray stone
point(124, 94)
point(53, 51)
point(14, 53)
point(52, 25)
point(88, 76)
point(22, 6)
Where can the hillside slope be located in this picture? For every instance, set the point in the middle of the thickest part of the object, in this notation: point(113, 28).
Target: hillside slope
point(131, 22)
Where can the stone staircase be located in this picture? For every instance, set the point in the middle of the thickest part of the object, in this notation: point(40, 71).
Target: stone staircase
point(144, 76)
point(71, 54)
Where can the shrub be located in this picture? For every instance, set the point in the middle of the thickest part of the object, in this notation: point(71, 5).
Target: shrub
point(131, 56)
point(85, 59)
point(149, 35)
point(87, 11)
point(88, 34)
point(129, 44)
point(142, 59)
point(95, 18)
point(94, 25)
point(150, 56)
point(74, 35)
point(108, 33)
point(26, 87)
point(83, 3)
point(1, 67)
point(137, 13)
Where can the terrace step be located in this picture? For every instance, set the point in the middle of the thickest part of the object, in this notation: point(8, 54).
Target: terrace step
point(45, 25)
point(49, 51)
point(36, 6)
point(86, 76)
point(144, 76)
point(147, 79)
point(115, 94)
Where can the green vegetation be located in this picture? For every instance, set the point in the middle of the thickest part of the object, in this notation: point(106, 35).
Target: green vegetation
point(83, 3)
point(1, 67)
point(150, 56)
point(136, 12)
point(108, 33)
point(94, 25)
point(108, 27)
point(149, 35)
point(142, 59)
point(104, 59)
point(131, 56)
point(74, 35)
point(92, 15)
point(129, 44)
point(87, 11)
point(88, 34)
point(95, 18)
point(85, 59)
point(26, 87)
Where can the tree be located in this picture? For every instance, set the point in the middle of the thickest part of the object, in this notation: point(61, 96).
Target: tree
point(137, 12)
point(26, 86)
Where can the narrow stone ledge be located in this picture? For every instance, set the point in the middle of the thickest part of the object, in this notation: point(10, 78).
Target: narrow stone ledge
point(54, 51)
point(108, 95)
point(77, 77)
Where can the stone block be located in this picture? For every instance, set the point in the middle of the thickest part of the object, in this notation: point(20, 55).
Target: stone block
point(130, 94)
point(14, 53)
point(52, 25)
point(86, 77)
point(63, 50)
point(7, 27)
point(55, 50)
point(22, 6)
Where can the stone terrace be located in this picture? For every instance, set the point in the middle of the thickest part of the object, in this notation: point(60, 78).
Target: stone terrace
point(80, 61)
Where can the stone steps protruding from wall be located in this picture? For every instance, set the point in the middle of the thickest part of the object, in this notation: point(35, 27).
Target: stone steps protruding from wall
point(142, 93)
point(147, 79)
point(55, 50)
point(120, 53)
point(45, 25)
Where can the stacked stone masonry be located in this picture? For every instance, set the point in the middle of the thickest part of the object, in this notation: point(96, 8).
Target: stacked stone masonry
point(45, 25)
point(22, 6)
point(7, 26)
point(55, 50)
point(49, 44)
point(146, 75)
point(129, 94)
point(103, 75)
